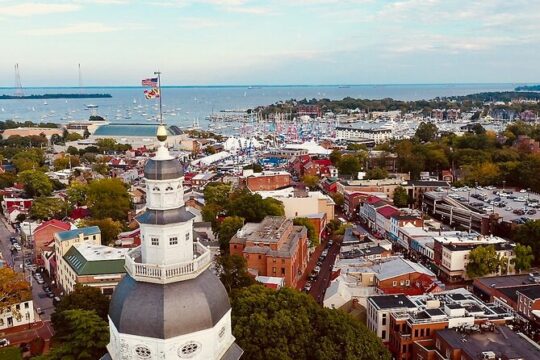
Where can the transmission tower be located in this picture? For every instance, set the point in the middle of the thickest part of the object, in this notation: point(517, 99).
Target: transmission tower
point(18, 86)
point(80, 80)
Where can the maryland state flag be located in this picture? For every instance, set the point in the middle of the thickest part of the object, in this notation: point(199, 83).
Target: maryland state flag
point(151, 93)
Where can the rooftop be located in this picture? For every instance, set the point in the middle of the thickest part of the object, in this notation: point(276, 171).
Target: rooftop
point(391, 301)
point(503, 342)
point(90, 259)
point(398, 266)
point(149, 130)
point(532, 293)
point(72, 234)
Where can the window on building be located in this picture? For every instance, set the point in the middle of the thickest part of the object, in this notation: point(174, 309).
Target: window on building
point(421, 332)
point(415, 332)
point(394, 283)
point(274, 270)
point(383, 334)
point(26, 305)
point(155, 241)
point(27, 316)
point(384, 321)
point(438, 344)
point(407, 282)
point(187, 236)
point(282, 271)
point(173, 241)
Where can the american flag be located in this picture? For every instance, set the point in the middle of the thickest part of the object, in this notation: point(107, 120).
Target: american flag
point(152, 82)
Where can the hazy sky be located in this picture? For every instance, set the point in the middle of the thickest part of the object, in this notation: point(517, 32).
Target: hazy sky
point(198, 42)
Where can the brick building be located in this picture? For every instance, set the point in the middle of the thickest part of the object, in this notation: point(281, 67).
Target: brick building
point(266, 180)
point(407, 321)
point(275, 247)
point(43, 235)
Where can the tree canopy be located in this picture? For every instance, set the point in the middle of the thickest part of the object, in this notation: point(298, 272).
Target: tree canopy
point(426, 132)
point(529, 234)
point(312, 233)
point(401, 198)
point(483, 260)
point(84, 337)
point(109, 229)
point(13, 289)
point(227, 229)
point(45, 208)
point(287, 325)
point(35, 183)
point(233, 273)
point(108, 198)
point(523, 257)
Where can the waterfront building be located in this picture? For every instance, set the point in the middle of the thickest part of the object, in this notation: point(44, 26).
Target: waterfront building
point(354, 134)
point(169, 305)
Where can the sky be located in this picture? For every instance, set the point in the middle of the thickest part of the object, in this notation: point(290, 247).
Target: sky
point(237, 42)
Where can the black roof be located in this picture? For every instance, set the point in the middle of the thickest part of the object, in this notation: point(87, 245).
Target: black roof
point(532, 292)
point(163, 217)
point(434, 312)
point(511, 292)
point(392, 301)
point(428, 183)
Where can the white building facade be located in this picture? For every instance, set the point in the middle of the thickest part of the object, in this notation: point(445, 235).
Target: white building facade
point(169, 305)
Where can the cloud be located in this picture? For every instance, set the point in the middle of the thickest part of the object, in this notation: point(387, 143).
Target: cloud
point(200, 23)
point(31, 9)
point(81, 28)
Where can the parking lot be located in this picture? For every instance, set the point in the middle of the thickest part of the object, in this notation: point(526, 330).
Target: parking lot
point(512, 205)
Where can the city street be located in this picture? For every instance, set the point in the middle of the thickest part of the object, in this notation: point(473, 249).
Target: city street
point(321, 283)
point(38, 295)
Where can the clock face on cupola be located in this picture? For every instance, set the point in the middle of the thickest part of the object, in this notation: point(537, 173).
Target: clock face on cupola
point(169, 305)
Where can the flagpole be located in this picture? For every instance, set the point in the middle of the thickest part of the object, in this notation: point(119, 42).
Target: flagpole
point(158, 73)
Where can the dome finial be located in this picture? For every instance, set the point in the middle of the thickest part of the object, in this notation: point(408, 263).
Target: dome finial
point(161, 133)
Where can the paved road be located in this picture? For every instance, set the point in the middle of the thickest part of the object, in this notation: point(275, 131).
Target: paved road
point(321, 283)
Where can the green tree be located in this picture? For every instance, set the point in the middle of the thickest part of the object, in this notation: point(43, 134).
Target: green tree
point(7, 180)
point(523, 258)
point(45, 208)
point(65, 162)
point(233, 273)
point(335, 157)
point(529, 234)
point(108, 198)
point(227, 229)
point(426, 132)
point(287, 325)
point(338, 198)
point(85, 337)
point(106, 145)
point(401, 198)
point(100, 166)
point(217, 193)
point(312, 233)
point(77, 193)
point(349, 165)
point(483, 260)
point(73, 136)
point(35, 183)
point(28, 160)
point(311, 181)
point(376, 173)
point(109, 229)
point(253, 207)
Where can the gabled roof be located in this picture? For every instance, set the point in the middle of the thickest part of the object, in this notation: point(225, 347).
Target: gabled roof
point(55, 223)
point(71, 234)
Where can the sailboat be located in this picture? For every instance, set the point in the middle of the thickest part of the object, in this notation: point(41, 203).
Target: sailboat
point(45, 102)
point(134, 101)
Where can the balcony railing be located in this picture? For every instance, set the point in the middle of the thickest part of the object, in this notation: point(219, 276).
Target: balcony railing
point(163, 274)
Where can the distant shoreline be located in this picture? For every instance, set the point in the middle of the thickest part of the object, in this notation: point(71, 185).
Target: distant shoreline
point(256, 86)
point(55, 96)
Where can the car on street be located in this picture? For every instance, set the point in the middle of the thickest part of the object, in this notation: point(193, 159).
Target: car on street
point(40, 311)
point(40, 281)
point(330, 242)
point(56, 300)
point(307, 287)
point(50, 294)
point(4, 342)
point(317, 269)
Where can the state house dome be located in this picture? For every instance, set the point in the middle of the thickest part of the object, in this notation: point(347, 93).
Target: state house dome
point(170, 310)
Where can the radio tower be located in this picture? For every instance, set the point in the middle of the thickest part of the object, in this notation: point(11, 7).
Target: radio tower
point(18, 86)
point(80, 80)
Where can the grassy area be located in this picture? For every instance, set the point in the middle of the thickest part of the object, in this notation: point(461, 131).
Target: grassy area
point(10, 353)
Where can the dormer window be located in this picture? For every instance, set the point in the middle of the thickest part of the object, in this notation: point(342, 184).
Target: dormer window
point(155, 188)
point(169, 188)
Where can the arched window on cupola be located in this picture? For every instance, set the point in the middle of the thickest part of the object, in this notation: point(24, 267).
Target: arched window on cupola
point(169, 188)
point(155, 188)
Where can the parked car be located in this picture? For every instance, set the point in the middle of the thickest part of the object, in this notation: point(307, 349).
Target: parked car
point(4, 342)
point(40, 281)
point(40, 311)
point(56, 300)
point(307, 287)
point(317, 269)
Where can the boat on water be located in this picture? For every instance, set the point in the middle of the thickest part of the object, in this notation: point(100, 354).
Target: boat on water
point(45, 102)
point(91, 106)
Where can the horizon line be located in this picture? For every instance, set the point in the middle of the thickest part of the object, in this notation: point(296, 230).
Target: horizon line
point(264, 85)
